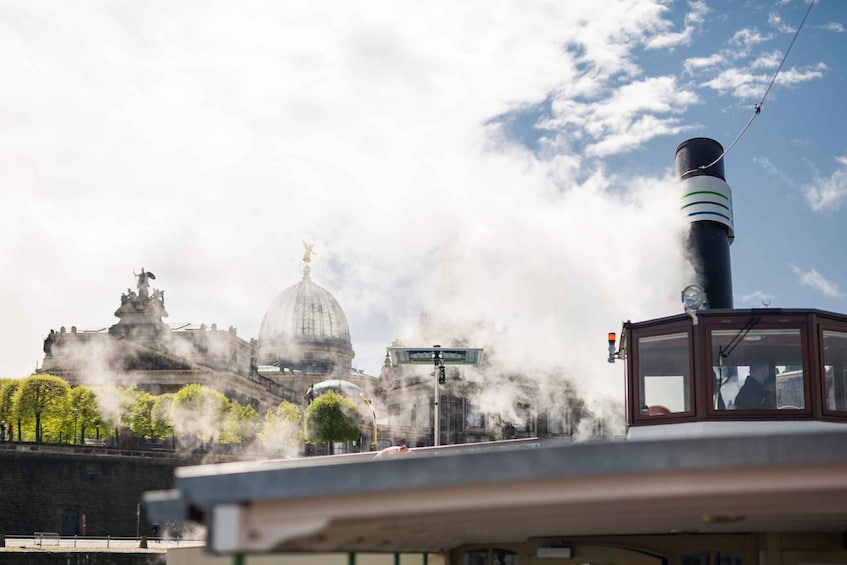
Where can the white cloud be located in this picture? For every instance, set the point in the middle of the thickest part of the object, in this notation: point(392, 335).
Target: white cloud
point(757, 299)
point(828, 194)
point(744, 84)
point(600, 42)
point(698, 63)
point(796, 76)
point(775, 21)
point(766, 164)
point(698, 12)
point(817, 281)
point(768, 60)
point(748, 37)
point(631, 135)
point(740, 82)
point(631, 115)
point(833, 26)
point(693, 19)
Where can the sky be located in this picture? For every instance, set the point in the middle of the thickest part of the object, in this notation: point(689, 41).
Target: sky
point(501, 171)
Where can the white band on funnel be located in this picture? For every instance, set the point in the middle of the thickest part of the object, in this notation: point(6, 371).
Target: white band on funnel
point(707, 198)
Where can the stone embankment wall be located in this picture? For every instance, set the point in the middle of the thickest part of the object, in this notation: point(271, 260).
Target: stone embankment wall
point(39, 484)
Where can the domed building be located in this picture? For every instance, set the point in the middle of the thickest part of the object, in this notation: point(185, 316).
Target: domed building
point(305, 330)
point(304, 338)
point(142, 350)
point(303, 348)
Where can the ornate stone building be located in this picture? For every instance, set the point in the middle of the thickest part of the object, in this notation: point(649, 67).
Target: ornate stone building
point(142, 350)
point(304, 339)
point(304, 348)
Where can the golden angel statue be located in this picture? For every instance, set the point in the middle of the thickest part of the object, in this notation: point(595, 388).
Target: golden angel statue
point(310, 248)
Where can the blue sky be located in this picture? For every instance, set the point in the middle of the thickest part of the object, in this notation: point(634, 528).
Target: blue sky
point(496, 170)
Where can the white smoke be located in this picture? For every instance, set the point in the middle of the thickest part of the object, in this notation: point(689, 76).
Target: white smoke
point(375, 135)
point(539, 291)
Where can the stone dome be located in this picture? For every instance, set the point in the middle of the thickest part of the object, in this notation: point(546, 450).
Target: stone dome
point(308, 314)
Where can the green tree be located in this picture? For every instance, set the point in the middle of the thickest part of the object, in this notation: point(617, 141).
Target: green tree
point(7, 394)
point(281, 430)
point(332, 417)
point(86, 409)
point(124, 407)
point(199, 412)
point(161, 415)
point(42, 397)
point(241, 423)
point(137, 415)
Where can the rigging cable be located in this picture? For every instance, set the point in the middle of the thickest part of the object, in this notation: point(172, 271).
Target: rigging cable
point(757, 108)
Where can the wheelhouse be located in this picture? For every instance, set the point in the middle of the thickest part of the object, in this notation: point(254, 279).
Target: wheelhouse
point(727, 365)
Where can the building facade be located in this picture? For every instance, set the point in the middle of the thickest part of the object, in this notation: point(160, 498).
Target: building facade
point(303, 349)
point(480, 404)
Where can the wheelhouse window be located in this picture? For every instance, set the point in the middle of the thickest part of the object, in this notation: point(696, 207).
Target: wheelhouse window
point(757, 364)
point(757, 369)
point(835, 370)
point(664, 374)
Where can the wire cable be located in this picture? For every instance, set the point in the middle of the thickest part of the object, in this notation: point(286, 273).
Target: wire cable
point(757, 108)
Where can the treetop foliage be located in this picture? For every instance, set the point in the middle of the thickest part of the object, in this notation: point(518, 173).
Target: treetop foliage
point(40, 396)
point(332, 417)
point(49, 409)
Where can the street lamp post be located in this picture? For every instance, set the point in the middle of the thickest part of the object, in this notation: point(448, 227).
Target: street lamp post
point(373, 415)
point(439, 357)
point(440, 375)
point(76, 415)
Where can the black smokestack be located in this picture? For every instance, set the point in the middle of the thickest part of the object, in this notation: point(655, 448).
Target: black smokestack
point(707, 205)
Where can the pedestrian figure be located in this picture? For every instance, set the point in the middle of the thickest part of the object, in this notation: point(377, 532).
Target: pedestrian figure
point(11, 432)
point(155, 530)
point(3, 431)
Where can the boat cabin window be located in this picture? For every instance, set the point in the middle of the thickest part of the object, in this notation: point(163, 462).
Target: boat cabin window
point(757, 369)
point(731, 364)
point(835, 370)
point(664, 373)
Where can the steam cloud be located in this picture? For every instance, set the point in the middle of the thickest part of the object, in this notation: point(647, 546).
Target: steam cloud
point(386, 141)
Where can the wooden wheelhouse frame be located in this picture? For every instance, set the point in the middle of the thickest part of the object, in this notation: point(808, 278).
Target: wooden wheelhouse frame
point(701, 381)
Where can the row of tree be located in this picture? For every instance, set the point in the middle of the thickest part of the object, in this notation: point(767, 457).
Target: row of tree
point(45, 408)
